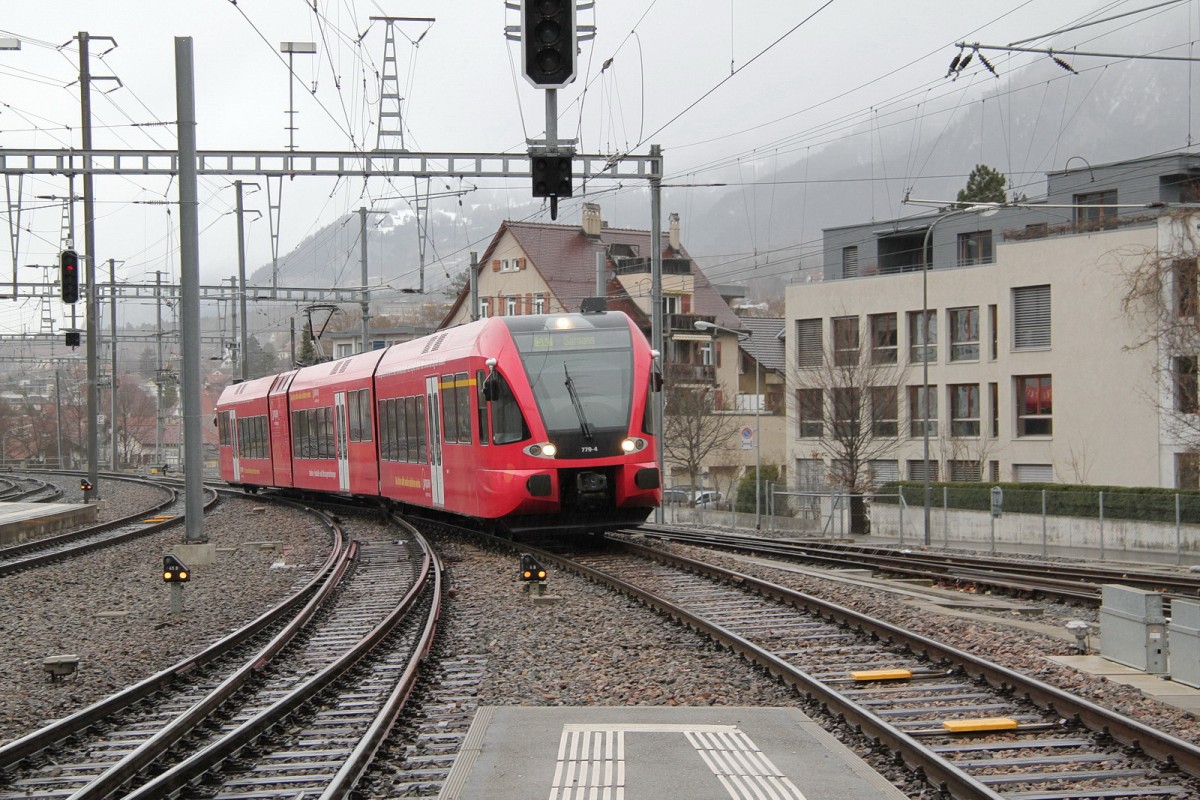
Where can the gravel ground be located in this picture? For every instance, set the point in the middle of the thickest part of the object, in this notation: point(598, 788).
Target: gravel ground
point(590, 648)
point(111, 607)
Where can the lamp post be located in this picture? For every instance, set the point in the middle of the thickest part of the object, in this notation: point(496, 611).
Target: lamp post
point(710, 326)
point(983, 209)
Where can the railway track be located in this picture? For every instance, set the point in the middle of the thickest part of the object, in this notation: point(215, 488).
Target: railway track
point(971, 728)
point(49, 549)
point(334, 663)
point(16, 489)
point(1061, 580)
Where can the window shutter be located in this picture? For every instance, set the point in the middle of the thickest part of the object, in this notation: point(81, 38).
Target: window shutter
point(520, 263)
point(495, 265)
point(850, 262)
point(1033, 473)
point(808, 342)
point(528, 302)
point(685, 304)
point(1031, 317)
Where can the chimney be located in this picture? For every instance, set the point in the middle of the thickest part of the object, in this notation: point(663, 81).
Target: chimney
point(673, 232)
point(591, 220)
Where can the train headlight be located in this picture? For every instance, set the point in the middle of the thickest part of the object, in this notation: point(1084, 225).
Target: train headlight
point(542, 450)
point(633, 444)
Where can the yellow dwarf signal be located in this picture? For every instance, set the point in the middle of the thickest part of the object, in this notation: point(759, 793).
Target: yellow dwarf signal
point(531, 570)
point(174, 570)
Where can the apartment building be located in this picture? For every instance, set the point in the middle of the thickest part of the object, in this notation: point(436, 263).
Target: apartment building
point(1035, 366)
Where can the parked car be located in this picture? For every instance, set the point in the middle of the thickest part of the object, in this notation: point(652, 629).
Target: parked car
point(709, 499)
point(676, 497)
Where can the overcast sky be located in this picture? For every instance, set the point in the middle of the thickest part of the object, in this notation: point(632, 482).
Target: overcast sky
point(712, 81)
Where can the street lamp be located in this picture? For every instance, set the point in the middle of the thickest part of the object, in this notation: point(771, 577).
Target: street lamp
point(983, 209)
point(710, 326)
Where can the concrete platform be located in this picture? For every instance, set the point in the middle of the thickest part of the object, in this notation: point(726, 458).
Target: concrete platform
point(1166, 691)
point(656, 753)
point(20, 522)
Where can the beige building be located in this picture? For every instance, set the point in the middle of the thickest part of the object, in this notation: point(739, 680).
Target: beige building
point(1037, 371)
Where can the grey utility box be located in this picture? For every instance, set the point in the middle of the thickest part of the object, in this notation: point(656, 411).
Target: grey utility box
point(1133, 630)
point(1184, 637)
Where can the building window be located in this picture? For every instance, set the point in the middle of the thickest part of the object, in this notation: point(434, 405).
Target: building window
point(994, 331)
point(994, 471)
point(964, 334)
point(808, 343)
point(884, 338)
point(485, 307)
point(1184, 279)
point(706, 354)
point(919, 347)
point(916, 469)
point(1031, 317)
point(808, 414)
point(917, 395)
point(510, 306)
point(845, 341)
point(1094, 216)
point(670, 304)
point(810, 474)
point(884, 411)
point(965, 471)
point(975, 248)
point(884, 470)
point(344, 350)
point(964, 409)
point(846, 415)
point(994, 408)
point(1187, 392)
point(1187, 470)
point(1034, 408)
point(539, 303)
point(1033, 473)
point(850, 261)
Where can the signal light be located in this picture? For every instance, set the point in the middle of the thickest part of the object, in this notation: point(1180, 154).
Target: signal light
point(174, 571)
point(551, 175)
point(69, 276)
point(531, 570)
point(72, 339)
point(548, 42)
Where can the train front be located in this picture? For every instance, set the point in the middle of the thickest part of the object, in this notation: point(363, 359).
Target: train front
point(586, 409)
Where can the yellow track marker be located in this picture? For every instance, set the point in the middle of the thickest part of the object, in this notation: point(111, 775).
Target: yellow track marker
point(881, 674)
point(979, 724)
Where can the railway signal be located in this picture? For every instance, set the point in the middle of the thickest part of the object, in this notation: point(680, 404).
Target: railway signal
point(68, 276)
point(531, 569)
point(548, 47)
point(174, 571)
point(85, 486)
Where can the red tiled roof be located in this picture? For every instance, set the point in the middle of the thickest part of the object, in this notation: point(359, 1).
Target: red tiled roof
point(566, 260)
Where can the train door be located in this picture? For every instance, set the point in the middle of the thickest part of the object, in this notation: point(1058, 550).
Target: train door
point(340, 441)
point(234, 447)
point(433, 407)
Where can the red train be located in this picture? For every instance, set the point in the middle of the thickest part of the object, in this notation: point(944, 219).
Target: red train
point(532, 422)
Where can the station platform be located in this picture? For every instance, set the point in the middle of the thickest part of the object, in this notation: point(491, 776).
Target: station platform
point(656, 753)
point(20, 522)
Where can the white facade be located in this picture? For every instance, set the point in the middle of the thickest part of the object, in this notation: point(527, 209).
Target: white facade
point(1101, 394)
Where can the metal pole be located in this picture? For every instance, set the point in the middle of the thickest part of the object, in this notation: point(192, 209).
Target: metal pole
point(1178, 531)
point(366, 301)
point(89, 246)
point(1043, 522)
point(1101, 526)
point(946, 516)
point(600, 273)
point(925, 370)
point(158, 375)
point(757, 448)
point(189, 242)
point(112, 423)
point(243, 348)
point(58, 416)
point(474, 286)
point(656, 311)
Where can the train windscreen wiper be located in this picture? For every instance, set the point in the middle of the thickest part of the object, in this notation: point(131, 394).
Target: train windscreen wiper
point(583, 423)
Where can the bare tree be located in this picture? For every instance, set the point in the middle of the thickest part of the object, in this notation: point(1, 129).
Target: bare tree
point(848, 397)
point(136, 419)
point(1162, 300)
point(692, 430)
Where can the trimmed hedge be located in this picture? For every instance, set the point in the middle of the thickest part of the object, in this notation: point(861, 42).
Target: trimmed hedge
point(1062, 499)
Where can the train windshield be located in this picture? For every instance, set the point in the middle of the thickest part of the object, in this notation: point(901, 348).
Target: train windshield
point(582, 377)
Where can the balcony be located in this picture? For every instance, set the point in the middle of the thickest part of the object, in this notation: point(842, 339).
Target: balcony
point(678, 374)
point(686, 323)
point(634, 266)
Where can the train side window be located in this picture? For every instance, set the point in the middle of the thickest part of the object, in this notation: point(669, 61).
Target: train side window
point(355, 416)
point(410, 429)
point(364, 415)
point(463, 406)
point(648, 415)
point(399, 430)
point(449, 393)
point(480, 377)
point(421, 454)
point(385, 439)
point(508, 423)
point(298, 427)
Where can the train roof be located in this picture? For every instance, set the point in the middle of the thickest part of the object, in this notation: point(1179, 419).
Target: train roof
point(360, 366)
point(246, 391)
